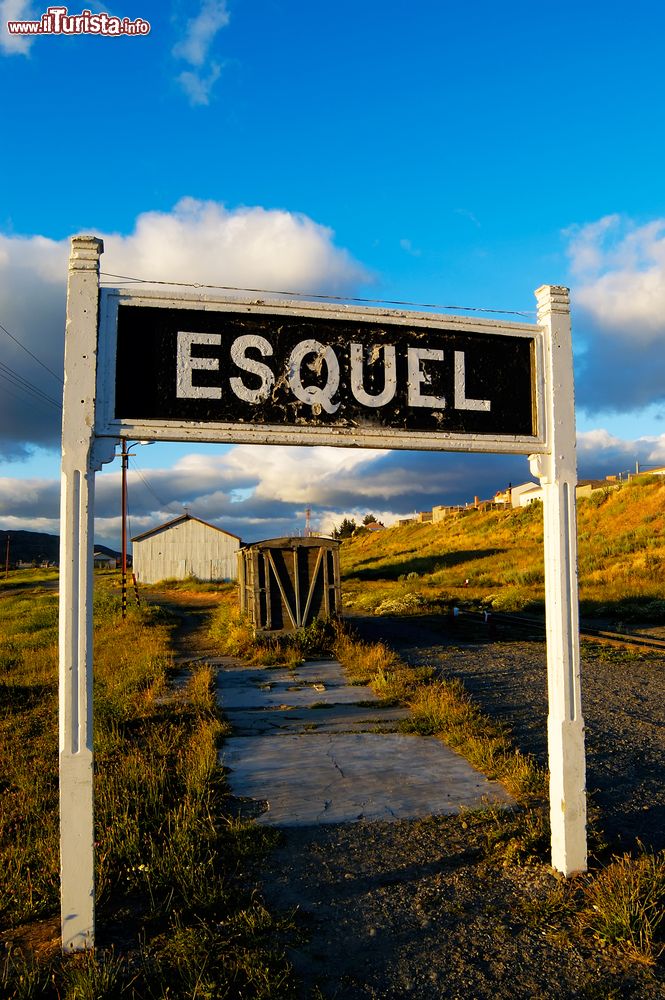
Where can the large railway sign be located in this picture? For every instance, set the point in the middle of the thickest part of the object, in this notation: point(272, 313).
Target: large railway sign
point(192, 367)
point(294, 371)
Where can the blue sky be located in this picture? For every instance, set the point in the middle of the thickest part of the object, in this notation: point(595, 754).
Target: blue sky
point(422, 151)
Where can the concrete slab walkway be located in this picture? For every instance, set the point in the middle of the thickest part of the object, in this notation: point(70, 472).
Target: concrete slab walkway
point(309, 748)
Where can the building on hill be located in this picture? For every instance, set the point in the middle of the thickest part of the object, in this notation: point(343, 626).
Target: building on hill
point(185, 547)
point(102, 560)
point(510, 497)
point(584, 488)
point(441, 512)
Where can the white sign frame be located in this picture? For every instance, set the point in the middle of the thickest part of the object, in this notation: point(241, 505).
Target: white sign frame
point(106, 425)
point(89, 438)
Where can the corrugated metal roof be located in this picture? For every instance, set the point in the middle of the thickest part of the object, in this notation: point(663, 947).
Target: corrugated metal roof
point(181, 520)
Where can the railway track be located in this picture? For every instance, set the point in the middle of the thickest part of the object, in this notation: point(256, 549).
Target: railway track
point(628, 640)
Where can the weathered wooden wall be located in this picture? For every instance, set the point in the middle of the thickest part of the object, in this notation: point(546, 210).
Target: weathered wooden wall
point(186, 548)
point(286, 583)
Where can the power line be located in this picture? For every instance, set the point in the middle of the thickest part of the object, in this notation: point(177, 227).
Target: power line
point(22, 383)
point(29, 352)
point(15, 395)
point(312, 295)
point(149, 488)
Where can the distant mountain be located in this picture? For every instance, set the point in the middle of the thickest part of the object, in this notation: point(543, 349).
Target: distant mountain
point(36, 546)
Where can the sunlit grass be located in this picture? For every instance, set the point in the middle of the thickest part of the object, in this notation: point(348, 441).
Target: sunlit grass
point(166, 848)
point(621, 537)
point(443, 707)
point(624, 906)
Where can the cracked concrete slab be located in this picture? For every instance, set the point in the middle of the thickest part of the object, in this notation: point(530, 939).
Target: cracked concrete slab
point(314, 682)
point(309, 748)
point(324, 719)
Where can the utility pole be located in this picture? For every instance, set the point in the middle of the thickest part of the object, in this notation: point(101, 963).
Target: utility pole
point(124, 454)
point(7, 559)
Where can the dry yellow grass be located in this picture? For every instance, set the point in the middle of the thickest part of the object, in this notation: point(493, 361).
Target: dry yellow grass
point(621, 558)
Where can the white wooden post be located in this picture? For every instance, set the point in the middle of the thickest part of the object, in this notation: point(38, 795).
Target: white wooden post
point(76, 549)
point(558, 475)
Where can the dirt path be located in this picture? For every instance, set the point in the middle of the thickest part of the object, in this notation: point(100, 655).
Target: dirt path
point(192, 611)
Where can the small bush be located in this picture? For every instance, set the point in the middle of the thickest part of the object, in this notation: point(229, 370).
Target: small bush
point(625, 906)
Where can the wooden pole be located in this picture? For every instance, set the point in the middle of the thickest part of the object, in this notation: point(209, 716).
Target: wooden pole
point(125, 459)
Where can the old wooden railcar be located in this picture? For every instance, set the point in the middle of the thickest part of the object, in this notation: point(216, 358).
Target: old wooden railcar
point(287, 583)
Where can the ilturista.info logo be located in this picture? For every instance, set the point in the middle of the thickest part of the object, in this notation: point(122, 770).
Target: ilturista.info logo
point(58, 21)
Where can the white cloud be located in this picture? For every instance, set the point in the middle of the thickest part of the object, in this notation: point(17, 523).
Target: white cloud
point(619, 312)
point(202, 241)
point(199, 88)
point(194, 48)
point(32, 497)
point(311, 475)
point(200, 32)
point(622, 271)
point(601, 453)
point(199, 242)
point(262, 491)
point(15, 10)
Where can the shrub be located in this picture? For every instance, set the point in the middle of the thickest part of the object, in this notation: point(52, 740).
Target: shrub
point(625, 906)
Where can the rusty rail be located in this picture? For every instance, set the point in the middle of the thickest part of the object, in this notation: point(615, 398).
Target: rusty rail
point(628, 640)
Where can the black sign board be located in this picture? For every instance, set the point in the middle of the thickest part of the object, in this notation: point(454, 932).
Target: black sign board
point(183, 364)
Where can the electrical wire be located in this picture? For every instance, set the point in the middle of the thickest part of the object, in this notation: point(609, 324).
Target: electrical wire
point(312, 295)
point(160, 501)
point(24, 384)
point(14, 395)
point(29, 352)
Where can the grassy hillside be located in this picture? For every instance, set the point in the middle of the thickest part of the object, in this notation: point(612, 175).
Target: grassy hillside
point(621, 559)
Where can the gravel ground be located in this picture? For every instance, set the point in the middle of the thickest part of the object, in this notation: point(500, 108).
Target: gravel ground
point(413, 909)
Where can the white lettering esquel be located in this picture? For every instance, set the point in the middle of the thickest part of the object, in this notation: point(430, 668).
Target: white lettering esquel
point(321, 360)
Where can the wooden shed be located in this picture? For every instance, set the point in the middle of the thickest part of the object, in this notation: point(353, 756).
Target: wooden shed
point(286, 583)
point(185, 547)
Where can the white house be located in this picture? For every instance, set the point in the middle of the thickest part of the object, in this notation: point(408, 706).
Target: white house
point(185, 547)
point(512, 497)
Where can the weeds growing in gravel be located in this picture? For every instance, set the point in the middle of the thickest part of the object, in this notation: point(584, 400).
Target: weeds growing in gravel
point(442, 708)
point(625, 906)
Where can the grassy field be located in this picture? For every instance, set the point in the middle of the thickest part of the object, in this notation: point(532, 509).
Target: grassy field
point(173, 918)
point(621, 559)
point(178, 915)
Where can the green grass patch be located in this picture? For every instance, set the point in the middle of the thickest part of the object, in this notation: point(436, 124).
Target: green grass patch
point(169, 853)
